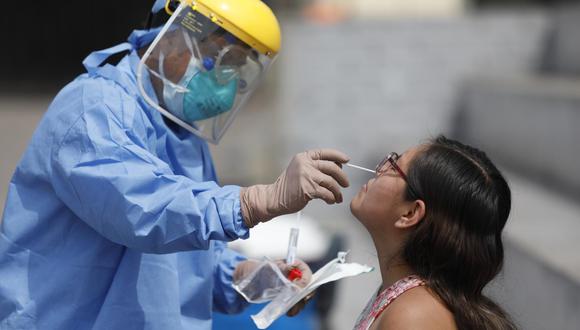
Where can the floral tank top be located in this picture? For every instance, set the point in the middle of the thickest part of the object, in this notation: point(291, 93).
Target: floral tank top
point(378, 303)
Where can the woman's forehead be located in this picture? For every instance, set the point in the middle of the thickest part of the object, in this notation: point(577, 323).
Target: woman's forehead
point(408, 155)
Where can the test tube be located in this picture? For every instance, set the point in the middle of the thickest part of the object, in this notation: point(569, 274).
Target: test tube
point(293, 240)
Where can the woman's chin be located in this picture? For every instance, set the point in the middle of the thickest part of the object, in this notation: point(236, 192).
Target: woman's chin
point(354, 204)
point(352, 208)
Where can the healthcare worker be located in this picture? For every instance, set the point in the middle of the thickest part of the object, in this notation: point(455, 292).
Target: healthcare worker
point(114, 217)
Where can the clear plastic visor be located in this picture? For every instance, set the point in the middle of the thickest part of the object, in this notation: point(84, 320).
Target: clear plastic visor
point(201, 74)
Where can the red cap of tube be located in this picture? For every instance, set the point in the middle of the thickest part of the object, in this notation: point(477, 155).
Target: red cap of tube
point(294, 274)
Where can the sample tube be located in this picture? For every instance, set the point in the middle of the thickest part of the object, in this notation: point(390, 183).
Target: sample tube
point(293, 241)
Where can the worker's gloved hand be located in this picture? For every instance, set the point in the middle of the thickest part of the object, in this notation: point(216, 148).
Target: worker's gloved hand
point(301, 268)
point(299, 273)
point(310, 175)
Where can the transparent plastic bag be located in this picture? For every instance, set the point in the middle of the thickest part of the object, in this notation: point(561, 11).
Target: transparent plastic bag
point(263, 284)
point(334, 270)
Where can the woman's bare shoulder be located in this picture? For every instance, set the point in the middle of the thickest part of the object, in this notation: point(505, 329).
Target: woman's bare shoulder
point(416, 309)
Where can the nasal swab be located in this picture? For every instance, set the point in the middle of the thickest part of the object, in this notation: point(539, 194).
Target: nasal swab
point(293, 240)
point(359, 167)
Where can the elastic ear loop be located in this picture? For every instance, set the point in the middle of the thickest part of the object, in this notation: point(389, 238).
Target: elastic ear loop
point(188, 42)
point(207, 64)
point(221, 55)
point(161, 75)
point(192, 47)
point(219, 60)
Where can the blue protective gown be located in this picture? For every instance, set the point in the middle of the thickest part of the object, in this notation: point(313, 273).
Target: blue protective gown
point(113, 220)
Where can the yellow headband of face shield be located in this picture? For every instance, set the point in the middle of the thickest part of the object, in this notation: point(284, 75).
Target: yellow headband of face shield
point(251, 21)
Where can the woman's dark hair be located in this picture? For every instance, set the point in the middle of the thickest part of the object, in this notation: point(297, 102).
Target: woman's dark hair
point(457, 247)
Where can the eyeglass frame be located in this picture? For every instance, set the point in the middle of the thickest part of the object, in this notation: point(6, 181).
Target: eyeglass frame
point(392, 159)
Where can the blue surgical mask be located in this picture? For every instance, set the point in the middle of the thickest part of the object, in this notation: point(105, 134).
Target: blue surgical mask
point(198, 95)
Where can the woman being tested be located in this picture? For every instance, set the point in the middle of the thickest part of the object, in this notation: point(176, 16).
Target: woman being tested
point(435, 215)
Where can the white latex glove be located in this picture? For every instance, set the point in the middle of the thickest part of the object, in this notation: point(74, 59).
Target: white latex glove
point(310, 175)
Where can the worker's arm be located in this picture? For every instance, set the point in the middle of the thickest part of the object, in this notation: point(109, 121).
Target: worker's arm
point(103, 171)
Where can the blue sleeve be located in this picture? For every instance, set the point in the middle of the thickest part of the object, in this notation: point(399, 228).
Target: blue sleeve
point(103, 171)
point(225, 298)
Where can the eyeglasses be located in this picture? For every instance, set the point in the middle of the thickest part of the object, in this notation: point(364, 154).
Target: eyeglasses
point(390, 161)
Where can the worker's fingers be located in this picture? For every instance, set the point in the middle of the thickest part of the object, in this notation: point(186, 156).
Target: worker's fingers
point(306, 273)
point(300, 305)
point(322, 193)
point(326, 181)
point(296, 308)
point(304, 268)
point(332, 169)
point(244, 268)
point(328, 154)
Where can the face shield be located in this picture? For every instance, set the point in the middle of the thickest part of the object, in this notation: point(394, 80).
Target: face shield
point(201, 74)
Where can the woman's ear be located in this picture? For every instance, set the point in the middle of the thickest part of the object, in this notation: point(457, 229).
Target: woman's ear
point(414, 213)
